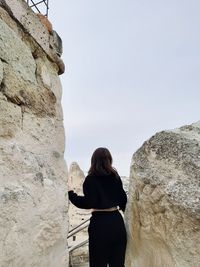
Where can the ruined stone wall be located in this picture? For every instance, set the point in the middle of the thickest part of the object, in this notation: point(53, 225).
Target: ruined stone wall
point(33, 173)
point(163, 213)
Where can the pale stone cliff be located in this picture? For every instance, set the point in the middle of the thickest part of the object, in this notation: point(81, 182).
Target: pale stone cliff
point(163, 213)
point(33, 173)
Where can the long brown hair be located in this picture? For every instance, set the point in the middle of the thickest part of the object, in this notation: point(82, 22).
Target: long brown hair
point(101, 163)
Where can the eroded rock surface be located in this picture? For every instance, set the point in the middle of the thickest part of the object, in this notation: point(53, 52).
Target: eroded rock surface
point(163, 213)
point(33, 173)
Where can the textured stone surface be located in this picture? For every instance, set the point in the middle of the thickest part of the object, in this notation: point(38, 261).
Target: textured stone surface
point(29, 20)
point(33, 173)
point(10, 119)
point(31, 25)
point(4, 15)
point(163, 214)
point(14, 52)
point(39, 99)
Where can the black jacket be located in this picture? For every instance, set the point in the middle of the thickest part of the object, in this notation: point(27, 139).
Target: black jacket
point(100, 192)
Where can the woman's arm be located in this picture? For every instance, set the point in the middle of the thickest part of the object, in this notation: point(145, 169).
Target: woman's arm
point(88, 200)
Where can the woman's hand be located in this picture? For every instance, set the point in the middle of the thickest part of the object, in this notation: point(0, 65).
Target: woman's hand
point(70, 184)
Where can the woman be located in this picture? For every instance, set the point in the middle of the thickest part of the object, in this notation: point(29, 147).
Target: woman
point(103, 193)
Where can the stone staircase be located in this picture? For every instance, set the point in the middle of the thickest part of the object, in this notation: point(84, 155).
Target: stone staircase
point(78, 251)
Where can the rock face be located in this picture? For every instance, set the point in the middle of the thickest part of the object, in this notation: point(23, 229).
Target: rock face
point(33, 173)
point(163, 213)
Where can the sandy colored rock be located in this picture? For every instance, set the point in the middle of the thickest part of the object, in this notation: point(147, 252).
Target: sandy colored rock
point(8, 20)
point(33, 172)
point(29, 20)
point(41, 100)
point(163, 213)
point(10, 119)
point(43, 72)
point(23, 63)
point(45, 22)
point(77, 176)
point(30, 26)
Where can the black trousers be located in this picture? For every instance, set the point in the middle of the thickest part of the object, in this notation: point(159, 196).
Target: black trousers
point(107, 239)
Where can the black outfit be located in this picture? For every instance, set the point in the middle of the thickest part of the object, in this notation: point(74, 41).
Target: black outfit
point(107, 233)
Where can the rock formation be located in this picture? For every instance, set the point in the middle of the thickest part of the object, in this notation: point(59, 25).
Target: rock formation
point(77, 176)
point(33, 182)
point(163, 213)
point(77, 216)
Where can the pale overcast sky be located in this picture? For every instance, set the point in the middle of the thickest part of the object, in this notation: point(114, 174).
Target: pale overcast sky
point(132, 69)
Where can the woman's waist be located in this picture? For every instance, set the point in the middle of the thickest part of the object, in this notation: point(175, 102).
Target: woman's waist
point(105, 209)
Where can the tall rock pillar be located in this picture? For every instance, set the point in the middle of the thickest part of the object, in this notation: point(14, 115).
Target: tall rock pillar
point(163, 213)
point(33, 173)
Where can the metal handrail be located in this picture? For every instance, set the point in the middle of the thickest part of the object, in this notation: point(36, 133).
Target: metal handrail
point(78, 245)
point(78, 230)
point(71, 230)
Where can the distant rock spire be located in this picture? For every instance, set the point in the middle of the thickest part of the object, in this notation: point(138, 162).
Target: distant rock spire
point(77, 176)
